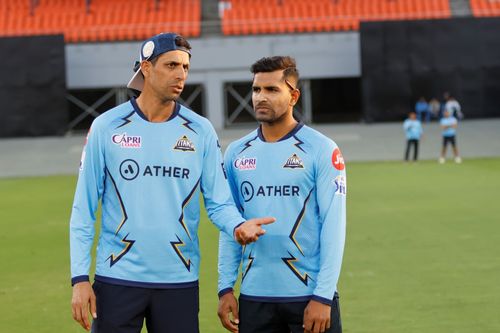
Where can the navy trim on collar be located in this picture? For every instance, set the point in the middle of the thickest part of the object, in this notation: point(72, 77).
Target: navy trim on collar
point(287, 136)
point(174, 114)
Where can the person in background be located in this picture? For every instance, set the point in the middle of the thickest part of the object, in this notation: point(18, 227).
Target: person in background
point(434, 108)
point(453, 107)
point(422, 110)
point(413, 131)
point(449, 126)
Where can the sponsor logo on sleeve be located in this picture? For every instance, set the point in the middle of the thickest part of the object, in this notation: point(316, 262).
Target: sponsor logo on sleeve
point(127, 141)
point(294, 162)
point(246, 163)
point(341, 185)
point(338, 160)
point(184, 144)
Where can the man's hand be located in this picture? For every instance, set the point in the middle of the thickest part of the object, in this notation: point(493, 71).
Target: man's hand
point(228, 306)
point(251, 230)
point(82, 303)
point(316, 317)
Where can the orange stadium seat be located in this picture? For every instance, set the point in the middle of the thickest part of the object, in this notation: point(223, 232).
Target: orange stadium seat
point(106, 20)
point(485, 8)
point(323, 15)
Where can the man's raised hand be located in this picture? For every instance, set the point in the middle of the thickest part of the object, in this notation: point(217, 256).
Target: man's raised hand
point(251, 230)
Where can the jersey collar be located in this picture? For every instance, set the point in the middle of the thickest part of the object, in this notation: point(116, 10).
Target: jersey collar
point(287, 136)
point(143, 116)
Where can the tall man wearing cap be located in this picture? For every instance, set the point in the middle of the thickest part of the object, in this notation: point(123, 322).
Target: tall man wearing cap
point(293, 172)
point(147, 161)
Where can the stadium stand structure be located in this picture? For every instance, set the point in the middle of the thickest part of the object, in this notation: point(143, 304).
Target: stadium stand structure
point(121, 20)
point(485, 8)
point(242, 17)
point(99, 20)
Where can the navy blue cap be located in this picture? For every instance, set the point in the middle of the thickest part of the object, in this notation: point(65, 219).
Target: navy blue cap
point(150, 49)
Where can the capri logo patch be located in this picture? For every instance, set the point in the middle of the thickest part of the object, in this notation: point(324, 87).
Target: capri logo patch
point(127, 141)
point(246, 163)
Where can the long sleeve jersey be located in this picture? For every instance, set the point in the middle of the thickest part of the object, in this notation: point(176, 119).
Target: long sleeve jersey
point(301, 181)
point(148, 177)
point(413, 129)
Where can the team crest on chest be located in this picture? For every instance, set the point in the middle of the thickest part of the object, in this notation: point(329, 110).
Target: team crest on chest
point(294, 162)
point(184, 144)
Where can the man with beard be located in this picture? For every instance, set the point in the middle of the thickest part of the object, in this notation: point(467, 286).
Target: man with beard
point(296, 174)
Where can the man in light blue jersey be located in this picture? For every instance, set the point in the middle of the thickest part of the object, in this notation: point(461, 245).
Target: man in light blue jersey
point(413, 131)
point(449, 130)
point(147, 161)
point(290, 171)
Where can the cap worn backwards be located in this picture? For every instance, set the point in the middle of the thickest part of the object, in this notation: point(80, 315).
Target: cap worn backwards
point(150, 49)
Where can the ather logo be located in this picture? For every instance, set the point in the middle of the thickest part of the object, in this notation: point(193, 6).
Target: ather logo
point(129, 169)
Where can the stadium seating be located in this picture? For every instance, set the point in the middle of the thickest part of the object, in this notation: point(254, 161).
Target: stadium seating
point(243, 17)
point(103, 20)
point(482, 8)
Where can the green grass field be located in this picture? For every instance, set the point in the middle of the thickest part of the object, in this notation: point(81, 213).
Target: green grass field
point(422, 251)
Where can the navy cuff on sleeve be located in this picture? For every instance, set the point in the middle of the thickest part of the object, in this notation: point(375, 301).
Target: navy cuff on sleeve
point(225, 291)
point(322, 300)
point(79, 278)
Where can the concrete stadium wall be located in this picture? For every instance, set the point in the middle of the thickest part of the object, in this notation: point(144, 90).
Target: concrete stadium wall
point(217, 60)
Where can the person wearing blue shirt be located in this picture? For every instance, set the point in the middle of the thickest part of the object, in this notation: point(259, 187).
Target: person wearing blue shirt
point(147, 161)
point(449, 126)
point(422, 110)
point(413, 131)
point(296, 174)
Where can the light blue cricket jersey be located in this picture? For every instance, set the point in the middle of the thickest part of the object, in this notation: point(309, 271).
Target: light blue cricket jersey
point(149, 177)
point(301, 181)
point(413, 129)
point(449, 121)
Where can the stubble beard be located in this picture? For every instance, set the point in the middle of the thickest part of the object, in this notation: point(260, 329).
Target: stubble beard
point(271, 118)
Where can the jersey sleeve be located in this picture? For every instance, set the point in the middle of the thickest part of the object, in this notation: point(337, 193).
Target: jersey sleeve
point(216, 194)
point(89, 190)
point(331, 198)
point(229, 249)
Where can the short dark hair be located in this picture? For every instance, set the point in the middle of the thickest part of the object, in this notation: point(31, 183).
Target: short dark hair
point(182, 42)
point(271, 64)
point(179, 41)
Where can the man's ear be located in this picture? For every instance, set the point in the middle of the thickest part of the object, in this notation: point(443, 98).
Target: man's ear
point(295, 97)
point(146, 68)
